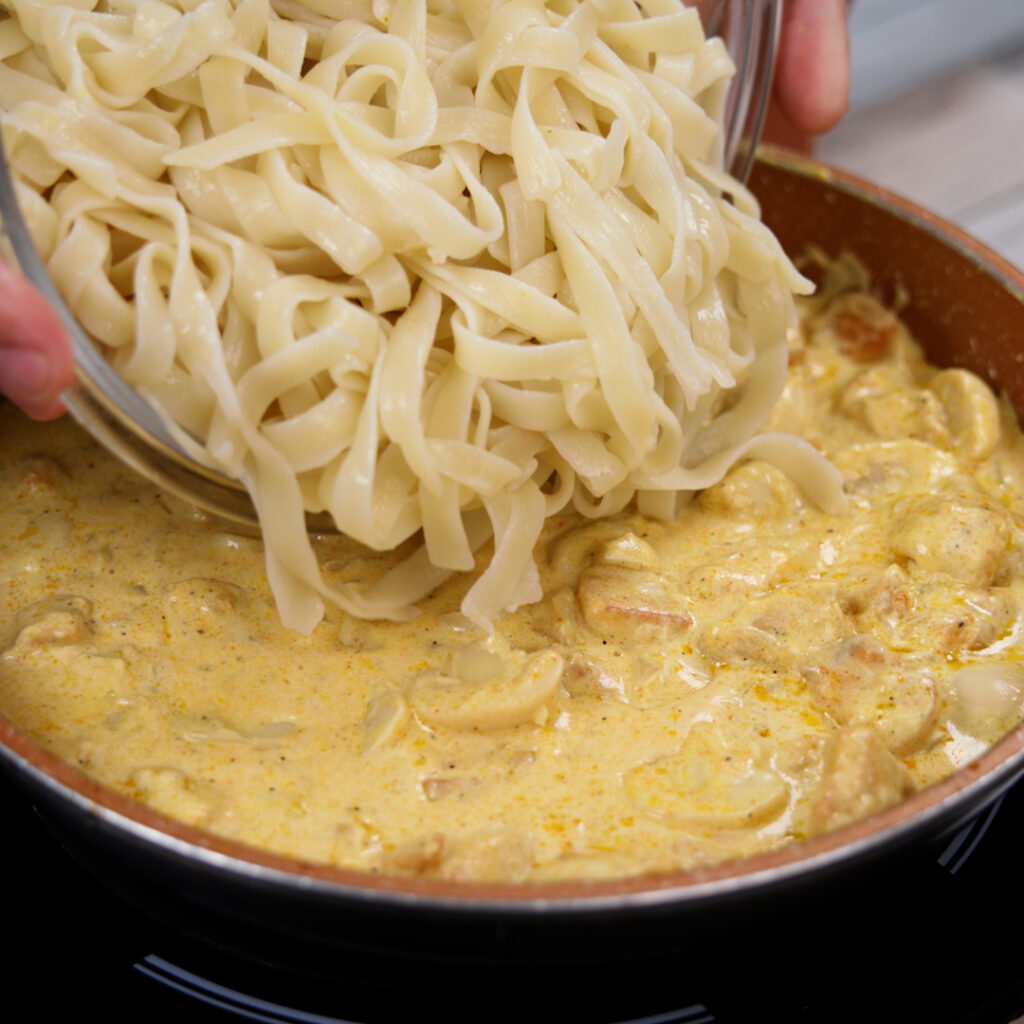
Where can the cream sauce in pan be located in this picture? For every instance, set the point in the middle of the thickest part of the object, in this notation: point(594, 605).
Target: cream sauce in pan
point(753, 674)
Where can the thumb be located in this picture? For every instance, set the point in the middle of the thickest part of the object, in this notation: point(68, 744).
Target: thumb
point(36, 361)
point(812, 77)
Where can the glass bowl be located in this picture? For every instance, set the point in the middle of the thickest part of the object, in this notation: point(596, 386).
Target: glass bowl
point(126, 423)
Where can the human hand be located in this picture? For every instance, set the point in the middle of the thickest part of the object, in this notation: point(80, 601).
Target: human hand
point(36, 362)
point(812, 73)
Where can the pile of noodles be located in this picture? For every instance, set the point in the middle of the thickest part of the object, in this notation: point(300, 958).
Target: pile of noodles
point(445, 266)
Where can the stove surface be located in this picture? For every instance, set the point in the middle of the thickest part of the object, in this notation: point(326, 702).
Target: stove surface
point(935, 944)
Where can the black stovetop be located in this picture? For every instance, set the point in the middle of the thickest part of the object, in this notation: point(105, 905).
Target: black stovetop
point(940, 943)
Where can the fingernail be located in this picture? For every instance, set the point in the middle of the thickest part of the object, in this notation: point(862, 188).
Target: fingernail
point(25, 375)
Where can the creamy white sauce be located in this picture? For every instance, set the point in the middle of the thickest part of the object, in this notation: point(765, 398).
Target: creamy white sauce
point(755, 673)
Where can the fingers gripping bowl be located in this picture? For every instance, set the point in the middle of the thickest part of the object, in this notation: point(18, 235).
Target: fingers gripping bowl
point(966, 306)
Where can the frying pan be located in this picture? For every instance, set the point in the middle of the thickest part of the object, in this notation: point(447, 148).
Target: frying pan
point(966, 306)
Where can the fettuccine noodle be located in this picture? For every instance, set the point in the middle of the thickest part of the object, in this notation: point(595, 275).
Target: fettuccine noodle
point(430, 265)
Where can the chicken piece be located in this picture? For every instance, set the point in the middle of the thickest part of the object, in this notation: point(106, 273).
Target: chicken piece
point(499, 855)
point(200, 606)
point(880, 603)
point(52, 622)
point(861, 776)
point(706, 785)
point(955, 619)
point(876, 470)
point(954, 535)
point(971, 412)
point(948, 618)
point(987, 698)
point(421, 857)
point(41, 475)
point(630, 605)
point(774, 628)
point(753, 489)
point(858, 682)
point(741, 571)
point(174, 793)
point(887, 412)
point(865, 330)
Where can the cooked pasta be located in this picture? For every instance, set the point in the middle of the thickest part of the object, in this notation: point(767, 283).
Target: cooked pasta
point(433, 266)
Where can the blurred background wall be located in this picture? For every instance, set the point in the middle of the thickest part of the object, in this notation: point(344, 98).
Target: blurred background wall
point(937, 110)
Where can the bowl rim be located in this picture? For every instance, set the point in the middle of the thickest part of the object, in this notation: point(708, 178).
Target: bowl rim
point(938, 807)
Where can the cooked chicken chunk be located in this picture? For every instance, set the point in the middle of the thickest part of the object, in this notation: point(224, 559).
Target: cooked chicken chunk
point(630, 604)
point(860, 777)
point(962, 538)
point(859, 682)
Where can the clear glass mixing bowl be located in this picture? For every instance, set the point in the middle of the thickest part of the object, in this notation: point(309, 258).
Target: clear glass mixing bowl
point(130, 427)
